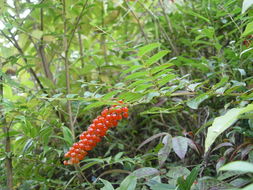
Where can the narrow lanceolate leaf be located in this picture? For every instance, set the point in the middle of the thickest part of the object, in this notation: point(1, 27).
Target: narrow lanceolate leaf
point(222, 123)
point(240, 166)
point(145, 172)
point(248, 30)
point(156, 57)
point(192, 177)
point(194, 103)
point(145, 49)
point(165, 150)
point(28, 144)
point(180, 146)
point(137, 75)
point(246, 5)
point(67, 134)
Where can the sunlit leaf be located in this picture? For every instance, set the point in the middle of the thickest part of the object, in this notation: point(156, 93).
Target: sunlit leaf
point(246, 5)
point(222, 123)
point(240, 166)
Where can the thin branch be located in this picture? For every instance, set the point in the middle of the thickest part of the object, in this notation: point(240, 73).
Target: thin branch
point(7, 140)
point(66, 64)
point(76, 24)
point(81, 47)
point(138, 21)
point(16, 45)
point(41, 50)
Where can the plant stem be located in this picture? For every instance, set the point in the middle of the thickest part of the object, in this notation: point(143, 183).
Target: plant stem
point(7, 140)
point(66, 64)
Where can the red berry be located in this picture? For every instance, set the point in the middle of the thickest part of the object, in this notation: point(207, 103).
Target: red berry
point(125, 115)
point(74, 160)
point(80, 156)
point(67, 155)
point(88, 147)
point(100, 125)
point(95, 121)
point(75, 145)
point(73, 154)
point(72, 149)
point(115, 123)
point(119, 117)
point(114, 116)
point(108, 124)
point(91, 130)
point(111, 110)
point(108, 117)
point(124, 109)
point(81, 146)
point(104, 112)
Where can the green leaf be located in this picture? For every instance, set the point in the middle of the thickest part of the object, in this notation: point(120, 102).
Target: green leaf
point(130, 96)
point(37, 34)
point(162, 186)
point(166, 79)
point(67, 135)
point(178, 171)
point(197, 15)
point(240, 166)
point(145, 172)
point(248, 30)
point(182, 183)
point(248, 187)
point(160, 68)
point(192, 177)
point(222, 82)
point(86, 166)
point(108, 185)
point(222, 123)
point(129, 183)
point(145, 49)
point(165, 150)
point(94, 105)
point(156, 57)
point(194, 103)
point(180, 146)
point(246, 5)
point(136, 75)
point(28, 144)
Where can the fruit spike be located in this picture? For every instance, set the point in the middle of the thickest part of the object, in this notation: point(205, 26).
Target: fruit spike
point(88, 139)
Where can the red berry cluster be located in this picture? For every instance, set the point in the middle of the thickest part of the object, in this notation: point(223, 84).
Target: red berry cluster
point(88, 139)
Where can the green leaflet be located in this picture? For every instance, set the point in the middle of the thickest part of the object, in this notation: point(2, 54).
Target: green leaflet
point(156, 57)
point(145, 49)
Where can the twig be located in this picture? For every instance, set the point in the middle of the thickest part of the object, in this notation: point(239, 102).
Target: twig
point(67, 74)
point(81, 48)
point(7, 140)
point(16, 45)
point(138, 21)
